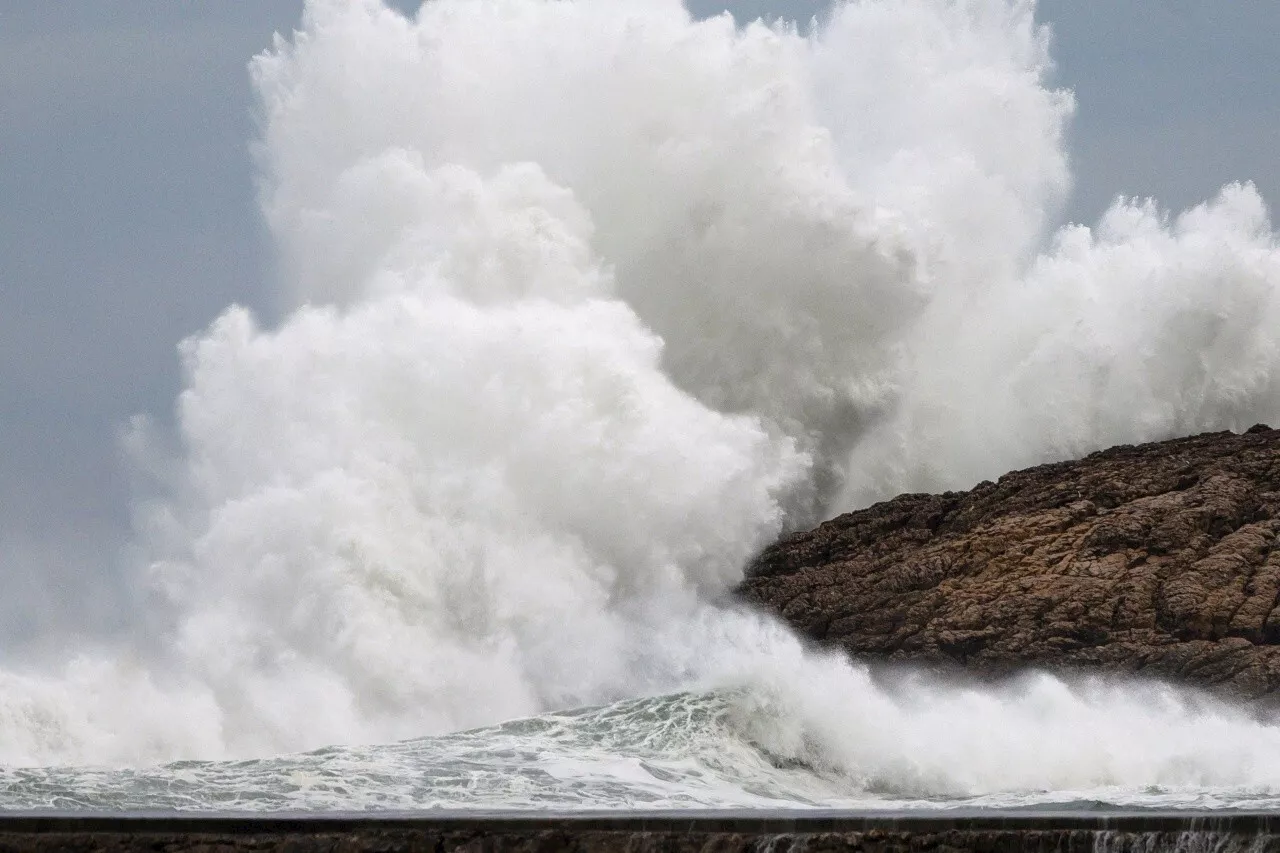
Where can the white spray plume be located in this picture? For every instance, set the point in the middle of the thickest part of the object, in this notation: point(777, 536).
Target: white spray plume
point(587, 302)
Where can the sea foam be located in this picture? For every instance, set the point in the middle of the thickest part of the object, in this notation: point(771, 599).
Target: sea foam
point(584, 303)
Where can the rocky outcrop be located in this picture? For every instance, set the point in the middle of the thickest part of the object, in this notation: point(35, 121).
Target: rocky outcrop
point(1159, 559)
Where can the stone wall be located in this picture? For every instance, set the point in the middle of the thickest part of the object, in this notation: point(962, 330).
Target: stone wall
point(672, 833)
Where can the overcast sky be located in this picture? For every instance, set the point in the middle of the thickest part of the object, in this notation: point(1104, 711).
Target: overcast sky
point(128, 219)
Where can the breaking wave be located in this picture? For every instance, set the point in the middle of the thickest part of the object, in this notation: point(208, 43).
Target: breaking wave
point(586, 302)
point(731, 749)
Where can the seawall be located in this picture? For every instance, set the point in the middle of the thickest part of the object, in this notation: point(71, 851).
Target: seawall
point(677, 832)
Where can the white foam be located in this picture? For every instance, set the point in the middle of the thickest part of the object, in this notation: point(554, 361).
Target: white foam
point(586, 302)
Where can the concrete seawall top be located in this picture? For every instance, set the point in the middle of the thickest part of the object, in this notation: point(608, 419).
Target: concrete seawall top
point(746, 820)
point(779, 831)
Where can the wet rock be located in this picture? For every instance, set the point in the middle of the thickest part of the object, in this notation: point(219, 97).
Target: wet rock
point(1158, 559)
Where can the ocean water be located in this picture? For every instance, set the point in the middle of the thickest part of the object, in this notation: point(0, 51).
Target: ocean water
point(680, 751)
point(584, 304)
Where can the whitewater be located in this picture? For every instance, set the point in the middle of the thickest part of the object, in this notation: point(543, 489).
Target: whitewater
point(583, 304)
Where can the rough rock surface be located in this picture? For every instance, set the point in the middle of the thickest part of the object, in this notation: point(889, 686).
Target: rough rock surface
point(1159, 559)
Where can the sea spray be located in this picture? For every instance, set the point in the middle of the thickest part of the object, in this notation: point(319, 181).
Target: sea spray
point(1145, 328)
point(586, 302)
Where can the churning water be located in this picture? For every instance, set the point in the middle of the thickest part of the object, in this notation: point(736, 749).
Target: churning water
point(586, 302)
point(693, 751)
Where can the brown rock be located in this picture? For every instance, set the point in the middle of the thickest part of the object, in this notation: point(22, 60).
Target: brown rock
point(1159, 559)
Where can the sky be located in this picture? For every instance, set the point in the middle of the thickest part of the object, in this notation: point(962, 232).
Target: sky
point(128, 218)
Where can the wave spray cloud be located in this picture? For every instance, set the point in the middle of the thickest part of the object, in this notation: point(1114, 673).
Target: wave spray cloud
point(589, 302)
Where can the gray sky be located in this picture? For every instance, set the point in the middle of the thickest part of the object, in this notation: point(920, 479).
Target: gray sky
point(128, 218)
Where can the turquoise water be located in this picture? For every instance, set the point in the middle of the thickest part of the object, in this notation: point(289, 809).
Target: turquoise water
point(670, 752)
